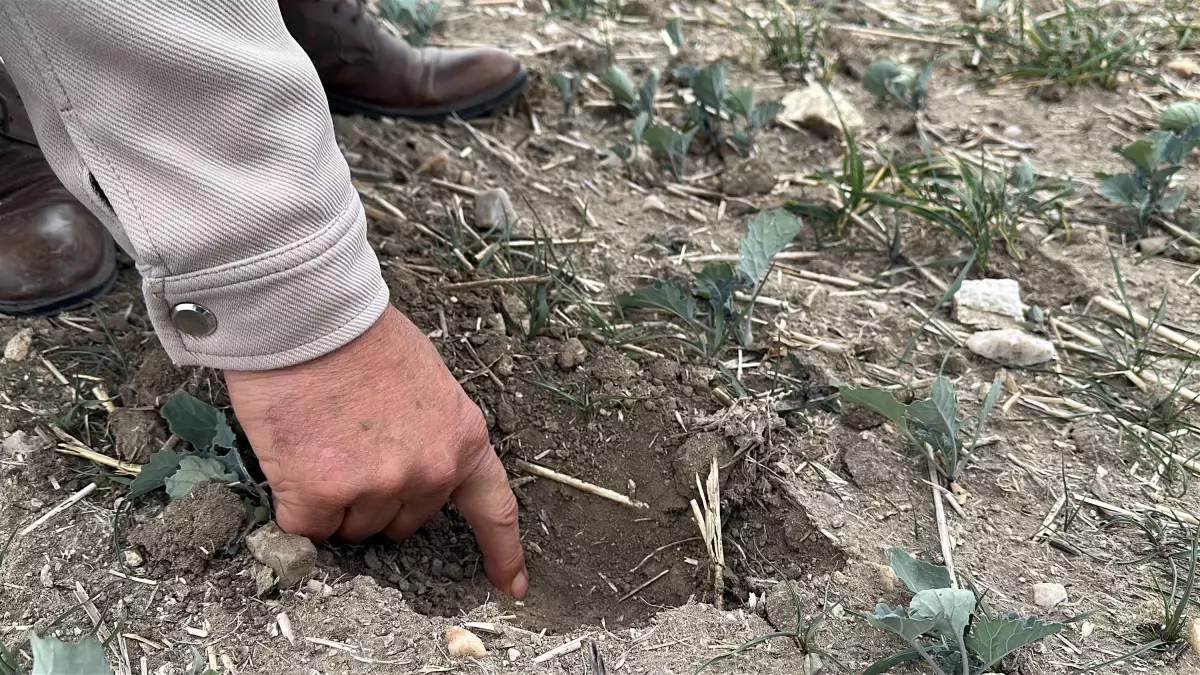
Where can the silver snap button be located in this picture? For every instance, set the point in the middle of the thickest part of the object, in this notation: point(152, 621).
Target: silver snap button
point(192, 319)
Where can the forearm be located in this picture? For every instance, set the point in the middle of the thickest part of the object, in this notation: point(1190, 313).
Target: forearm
point(199, 134)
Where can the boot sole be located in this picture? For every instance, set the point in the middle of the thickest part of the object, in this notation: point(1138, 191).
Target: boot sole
point(101, 284)
point(479, 106)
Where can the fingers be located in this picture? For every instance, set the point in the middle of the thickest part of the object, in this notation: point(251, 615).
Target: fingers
point(413, 515)
point(368, 515)
point(487, 503)
point(309, 518)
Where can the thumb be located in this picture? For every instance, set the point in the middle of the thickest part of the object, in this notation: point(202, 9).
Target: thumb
point(306, 517)
point(488, 504)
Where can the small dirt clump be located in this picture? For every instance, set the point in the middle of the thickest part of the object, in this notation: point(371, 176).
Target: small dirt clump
point(291, 557)
point(192, 530)
point(136, 433)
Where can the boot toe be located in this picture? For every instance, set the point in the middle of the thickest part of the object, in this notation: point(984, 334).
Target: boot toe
point(476, 74)
point(57, 255)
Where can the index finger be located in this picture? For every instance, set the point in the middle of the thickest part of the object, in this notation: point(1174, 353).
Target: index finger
point(488, 504)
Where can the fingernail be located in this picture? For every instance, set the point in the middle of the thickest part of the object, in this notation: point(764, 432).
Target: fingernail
point(519, 585)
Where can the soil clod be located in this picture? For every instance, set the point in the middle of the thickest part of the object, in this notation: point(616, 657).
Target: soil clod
point(291, 557)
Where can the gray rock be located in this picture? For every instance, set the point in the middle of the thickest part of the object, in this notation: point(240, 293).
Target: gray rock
point(989, 303)
point(291, 557)
point(1154, 245)
point(1011, 347)
point(21, 443)
point(573, 354)
point(17, 348)
point(1049, 596)
point(813, 109)
point(494, 210)
point(264, 580)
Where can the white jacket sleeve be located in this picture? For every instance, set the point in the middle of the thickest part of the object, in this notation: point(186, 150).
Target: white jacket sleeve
point(198, 132)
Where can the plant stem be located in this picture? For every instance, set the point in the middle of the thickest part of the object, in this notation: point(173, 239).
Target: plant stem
point(925, 655)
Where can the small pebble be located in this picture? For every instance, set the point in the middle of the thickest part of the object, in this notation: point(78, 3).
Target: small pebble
point(17, 348)
point(462, 643)
point(494, 211)
point(133, 558)
point(1049, 595)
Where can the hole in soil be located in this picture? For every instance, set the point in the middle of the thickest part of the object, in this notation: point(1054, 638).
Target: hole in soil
point(585, 553)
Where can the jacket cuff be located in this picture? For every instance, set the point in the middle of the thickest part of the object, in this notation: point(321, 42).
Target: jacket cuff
point(284, 307)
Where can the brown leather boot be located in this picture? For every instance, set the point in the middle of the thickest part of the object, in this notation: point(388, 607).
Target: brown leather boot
point(54, 254)
point(367, 71)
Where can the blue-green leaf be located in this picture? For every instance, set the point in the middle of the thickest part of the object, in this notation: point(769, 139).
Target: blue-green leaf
point(882, 402)
point(993, 638)
point(879, 76)
point(899, 622)
point(1122, 188)
point(55, 657)
point(1181, 116)
point(619, 86)
point(918, 575)
point(197, 422)
point(667, 296)
point(675, 31)
point(949, 609)
point(939, 412)
point(154, 474)
point(1144, 154)
point(769, 232)
point(194, 471)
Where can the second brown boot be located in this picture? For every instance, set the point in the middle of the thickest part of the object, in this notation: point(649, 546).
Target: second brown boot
point(367, 71)
point(54, 254)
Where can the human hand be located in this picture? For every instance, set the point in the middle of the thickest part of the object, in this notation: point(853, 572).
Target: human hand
point(376, 437)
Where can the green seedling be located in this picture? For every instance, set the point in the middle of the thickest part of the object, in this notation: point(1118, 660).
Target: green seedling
point(741, 103)
point(984, 206)
point(804, 634)
point(568, 86)
point(584, 10)
point(1145, 191)
point(931, 425)
point(675, 32)
point(637, 100)
point(590, 403)
point(886, 79)
point(951, 629)
point(416, 18)
point(792, 41)
point(1077, 46)
point(1181, 116)
point(673, 144)
point(204, 428)
point(1178, 553)
point(705, 308)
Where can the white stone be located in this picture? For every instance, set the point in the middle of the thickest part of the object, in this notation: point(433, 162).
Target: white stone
point(1154, 245)
point(989, 303)
point(1011, 347)
point(494, 210)
point(21, 443)
point(1049, 596)
point(814, 109)
point(17, 348)
point(462, 643)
